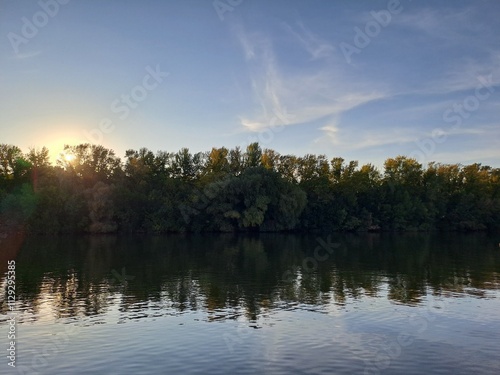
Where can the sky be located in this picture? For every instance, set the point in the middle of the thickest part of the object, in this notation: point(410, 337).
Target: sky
point(364, 80)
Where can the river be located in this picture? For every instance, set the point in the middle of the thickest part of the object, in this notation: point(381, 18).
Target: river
point(369, 303)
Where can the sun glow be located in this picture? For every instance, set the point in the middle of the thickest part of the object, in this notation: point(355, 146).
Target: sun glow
point(69, 157)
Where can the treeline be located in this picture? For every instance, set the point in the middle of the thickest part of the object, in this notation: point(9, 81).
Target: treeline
point(90, 190)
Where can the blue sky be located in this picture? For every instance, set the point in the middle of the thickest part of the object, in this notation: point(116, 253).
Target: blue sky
point(364, 80)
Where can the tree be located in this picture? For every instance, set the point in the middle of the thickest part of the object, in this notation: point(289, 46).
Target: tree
point(187, 166)
point(90, 163)
point(403, 170)
point(9, 154)
point(337, 169)
point(288, 167)
point(226, 190)
point(236, 162)
point(39, 160)
point(101, 208)
point(270, 159)
point(258, 199)
point(253, 155)
point(217, 162)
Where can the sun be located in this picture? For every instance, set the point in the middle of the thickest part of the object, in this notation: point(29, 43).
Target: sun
point(69, 157)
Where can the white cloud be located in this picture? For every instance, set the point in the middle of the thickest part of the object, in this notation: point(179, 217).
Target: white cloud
point(467, 156)
point(320, 89)
point(331, 132)
point(466, 131)
point(449, 24)
point(467, 74)
point(317, 47)
point(26, 55)
point(310, 95)
point(350, 139)
point(463, 29)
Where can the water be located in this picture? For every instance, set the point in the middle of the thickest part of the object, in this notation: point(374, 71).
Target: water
point(263, 304)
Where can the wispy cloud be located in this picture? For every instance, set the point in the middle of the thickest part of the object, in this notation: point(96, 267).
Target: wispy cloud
point(478, 130)
point(467, 74)
point(26, 55)
point(316, 46)
point(312, 94)
point(455, 30)
point(468, 156)
point(331, 132)
point(449, 24)
point(333, 102)
point(351, 138)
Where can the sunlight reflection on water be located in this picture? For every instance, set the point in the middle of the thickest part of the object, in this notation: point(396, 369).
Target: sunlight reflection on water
point(373, 309)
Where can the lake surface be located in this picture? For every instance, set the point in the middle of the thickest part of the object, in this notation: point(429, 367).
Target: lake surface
point(255, 304)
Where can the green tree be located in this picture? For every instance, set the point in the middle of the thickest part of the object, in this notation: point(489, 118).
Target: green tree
point(218, 162)
point(270, 159)
point(90, 163)
point(9, 154)
point(39, 163)
point(236, 161)
point(253, 155)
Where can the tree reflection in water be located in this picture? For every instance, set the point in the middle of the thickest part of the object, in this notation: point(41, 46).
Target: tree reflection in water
point(242, 276)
